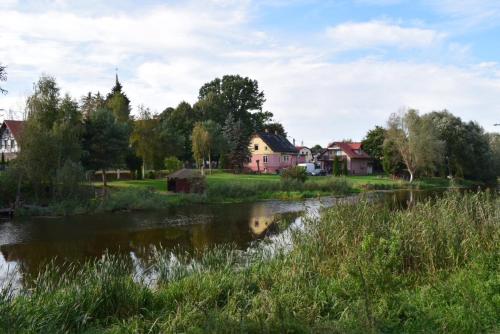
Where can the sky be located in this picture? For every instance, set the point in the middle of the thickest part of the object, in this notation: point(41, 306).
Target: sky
point(330, 69)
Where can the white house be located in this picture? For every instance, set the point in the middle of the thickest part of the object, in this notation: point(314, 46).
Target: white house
point(10, 132)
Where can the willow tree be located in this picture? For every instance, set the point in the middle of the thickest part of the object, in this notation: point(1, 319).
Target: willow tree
point(416, 140)
point(200, 145)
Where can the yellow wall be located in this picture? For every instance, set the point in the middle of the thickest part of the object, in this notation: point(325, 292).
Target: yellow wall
point(263, 148)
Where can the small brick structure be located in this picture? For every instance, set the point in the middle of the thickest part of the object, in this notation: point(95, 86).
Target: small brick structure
point(186, 181)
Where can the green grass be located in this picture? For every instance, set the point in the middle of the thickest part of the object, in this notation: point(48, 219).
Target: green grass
point(359, 268)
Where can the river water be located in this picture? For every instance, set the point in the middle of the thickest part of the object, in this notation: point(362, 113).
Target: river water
point(27, 244)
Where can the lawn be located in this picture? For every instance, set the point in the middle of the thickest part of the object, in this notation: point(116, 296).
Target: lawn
point(218, 178)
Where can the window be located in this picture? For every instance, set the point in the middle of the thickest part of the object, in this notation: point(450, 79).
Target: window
point(264, 159)
point(286, 158)
point(265, 148)
point(256, 147)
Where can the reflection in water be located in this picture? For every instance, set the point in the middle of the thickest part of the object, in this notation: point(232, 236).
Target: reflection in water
point(28, 244)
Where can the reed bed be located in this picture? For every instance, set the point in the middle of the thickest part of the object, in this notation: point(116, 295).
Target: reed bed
point(359, 268)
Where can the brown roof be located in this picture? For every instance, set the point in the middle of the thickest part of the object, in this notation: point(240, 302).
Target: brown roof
point(15, 127)
point(185, 174)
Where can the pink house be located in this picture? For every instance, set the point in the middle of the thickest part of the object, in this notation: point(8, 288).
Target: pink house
point(271, 153)
point(358, 161)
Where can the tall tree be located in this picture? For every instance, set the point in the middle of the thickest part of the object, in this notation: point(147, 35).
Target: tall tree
point(118, 103)
point(391, 160)
point(90, 103)
point(145, 138)
point(105, 141)
point(233, 95)
point(495, 148)
point(416, 140)
point(200, 145)
point(3, 77)
point(216, 142)
point(373, 144)
point(467, 152)
point(238, 152)
point(51, 137)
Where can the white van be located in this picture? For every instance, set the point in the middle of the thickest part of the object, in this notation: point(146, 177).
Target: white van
point(309, 167)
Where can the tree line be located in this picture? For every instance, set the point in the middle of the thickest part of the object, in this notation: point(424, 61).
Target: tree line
point(64, 138)
point(434, 144)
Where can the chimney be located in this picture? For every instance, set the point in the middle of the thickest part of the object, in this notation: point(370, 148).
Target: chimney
point(276, 132)
point(293, 141)
point(267, 130)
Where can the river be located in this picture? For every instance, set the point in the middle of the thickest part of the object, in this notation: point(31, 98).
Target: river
point(27, 244)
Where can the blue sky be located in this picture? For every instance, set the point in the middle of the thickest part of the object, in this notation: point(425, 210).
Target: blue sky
point(330, 69)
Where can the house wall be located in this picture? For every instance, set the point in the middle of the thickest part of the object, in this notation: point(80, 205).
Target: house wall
point(275, 160)
point(305, 155)
point(8, 145)
point(359, 167)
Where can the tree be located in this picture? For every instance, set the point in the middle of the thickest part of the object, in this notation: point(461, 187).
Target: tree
point(3, 77)
point(118, 103)
point(216, 143)
point(416, 141)
point(336, 166)
point(316, 149)
point(276, 128)
point(51, 138)
point(373, 144)
point(177, 126)
point(345, 170)
point(145, 138)
point(200, 146)
point(105, 141)
point(234, 95)
point(495, 149)
point(391, 161)
point(467, 148)
point(90, 103)
point(238, 152)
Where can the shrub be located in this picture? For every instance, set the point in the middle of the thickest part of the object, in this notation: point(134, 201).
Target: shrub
point(172, 164)
point(296, 173)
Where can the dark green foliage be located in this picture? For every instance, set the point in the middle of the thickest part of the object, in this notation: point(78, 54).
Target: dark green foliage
point(392, 162)
point(232, 95)
point(237, 139)
point(360, 268)
point(118, 103)
point(337, 168)
point(316, 149)
point(373, 144)
point(296, 173)
point(172, 164)
point(134, 163)
point(467, 148)
point(345, 170)
point(105, 141)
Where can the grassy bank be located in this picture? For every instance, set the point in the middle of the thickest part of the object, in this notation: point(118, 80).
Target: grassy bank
point(359, 268)
point(226, 188)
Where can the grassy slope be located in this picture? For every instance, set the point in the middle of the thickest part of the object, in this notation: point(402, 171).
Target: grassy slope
point(218, 178)
point(359, 269)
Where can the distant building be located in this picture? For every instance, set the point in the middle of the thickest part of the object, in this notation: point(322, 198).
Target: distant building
point(271, 153)
point(10, 133)
point(358, 161)
point(305, 154)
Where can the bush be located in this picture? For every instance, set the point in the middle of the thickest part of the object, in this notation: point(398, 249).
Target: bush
point(172, 164)
point(296, 173)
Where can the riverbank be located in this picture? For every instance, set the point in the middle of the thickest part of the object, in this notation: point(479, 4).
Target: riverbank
point(151, 194)
point(358, 268)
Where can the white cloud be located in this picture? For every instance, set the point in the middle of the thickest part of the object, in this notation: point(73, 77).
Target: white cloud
point(373, 34)
point(165, 54)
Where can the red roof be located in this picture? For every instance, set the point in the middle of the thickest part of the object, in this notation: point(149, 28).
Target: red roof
point(15, 127)
point(353, 150)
